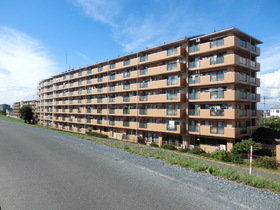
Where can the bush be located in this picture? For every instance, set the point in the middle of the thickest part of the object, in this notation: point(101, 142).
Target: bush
point(99, 135)
point(266, 162)
point(197, 151)
point(168, 146)
point(221, 155)
point(236, 158)
point(153, 144)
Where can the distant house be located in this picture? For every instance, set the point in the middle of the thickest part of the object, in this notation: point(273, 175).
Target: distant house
point(275, 111)
point(5, 107)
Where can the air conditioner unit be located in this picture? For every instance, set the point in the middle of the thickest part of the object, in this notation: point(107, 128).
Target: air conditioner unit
point(197, 40)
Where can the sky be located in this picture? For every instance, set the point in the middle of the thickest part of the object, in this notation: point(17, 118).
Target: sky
point(42, 38)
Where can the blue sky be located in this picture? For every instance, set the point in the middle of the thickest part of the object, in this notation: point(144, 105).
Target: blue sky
point(36, 35)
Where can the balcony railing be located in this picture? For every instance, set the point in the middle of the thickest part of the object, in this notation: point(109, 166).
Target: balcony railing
point(144, 71)
point(126, 99)
point(193, 95)
point(217, 130)
point(194, 112)
point(243, 130)
point(111, 122)
point(126, 111)
point(125, 124)
point(193, 48)
point(143, 85)
point(143, 98)
point(143, 125)
point(172, 82)
point(253, 113)
point(172, 112)
point(216, 78)
point(253, 96)
point(243, 113)
point(216, 60)
point(172, 97)
point(171, 127)
point(194, 80)
point(193, 128)
point(143, 111)
point(243, 95)
point(126, 87)
point(194, 64)
point(216, 95)
point(111, 111)
point(216, 112)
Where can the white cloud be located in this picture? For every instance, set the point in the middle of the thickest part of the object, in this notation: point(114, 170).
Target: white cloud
point(270, 88)
point(136, 30)
point(101, 10)
point(270, 58)
point(23, 63)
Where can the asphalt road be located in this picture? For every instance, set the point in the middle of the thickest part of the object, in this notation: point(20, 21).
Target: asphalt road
point(41, 169)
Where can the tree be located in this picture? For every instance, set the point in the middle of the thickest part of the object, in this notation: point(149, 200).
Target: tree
point(270, 122)
point(3, 112)
point(244, 146)
point(26, 113)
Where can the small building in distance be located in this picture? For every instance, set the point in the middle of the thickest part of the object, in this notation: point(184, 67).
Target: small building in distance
point(5, 107)
point(275, 111)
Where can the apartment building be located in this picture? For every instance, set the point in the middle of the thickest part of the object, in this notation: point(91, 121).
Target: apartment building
point(199, 90)
point(18, 105)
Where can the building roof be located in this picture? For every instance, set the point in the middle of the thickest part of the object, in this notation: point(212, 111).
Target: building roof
point(266, 135)
point(275, 107)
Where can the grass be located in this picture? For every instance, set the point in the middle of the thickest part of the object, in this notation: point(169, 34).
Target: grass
point(184, 162)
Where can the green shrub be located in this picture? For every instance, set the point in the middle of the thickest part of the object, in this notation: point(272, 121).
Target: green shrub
point(266, 162)
point(100, 135)
point(168, 146)
point(236, 158)
point(221, 155)
point(153, 144)
point(197, 151)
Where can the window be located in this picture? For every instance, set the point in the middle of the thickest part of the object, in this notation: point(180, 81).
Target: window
point(171, 51)
point(242, 43)
point(194, 47)
point(143, 58)
point(99, 79)
point(217, 43)
point(89, 71)
point(80, 73)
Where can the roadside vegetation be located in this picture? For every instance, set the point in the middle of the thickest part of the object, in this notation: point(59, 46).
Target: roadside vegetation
point(234, 157)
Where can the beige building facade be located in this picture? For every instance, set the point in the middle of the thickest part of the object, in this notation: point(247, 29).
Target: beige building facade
point(196, 91)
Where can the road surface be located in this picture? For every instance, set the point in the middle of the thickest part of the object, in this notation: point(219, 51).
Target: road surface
point(41, 169)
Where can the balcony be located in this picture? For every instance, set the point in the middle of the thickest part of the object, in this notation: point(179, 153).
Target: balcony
point(228, 42)
point(180, 52)
point(229, 77)
point(228, 95)
point(221, 114)
point(227, 60)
